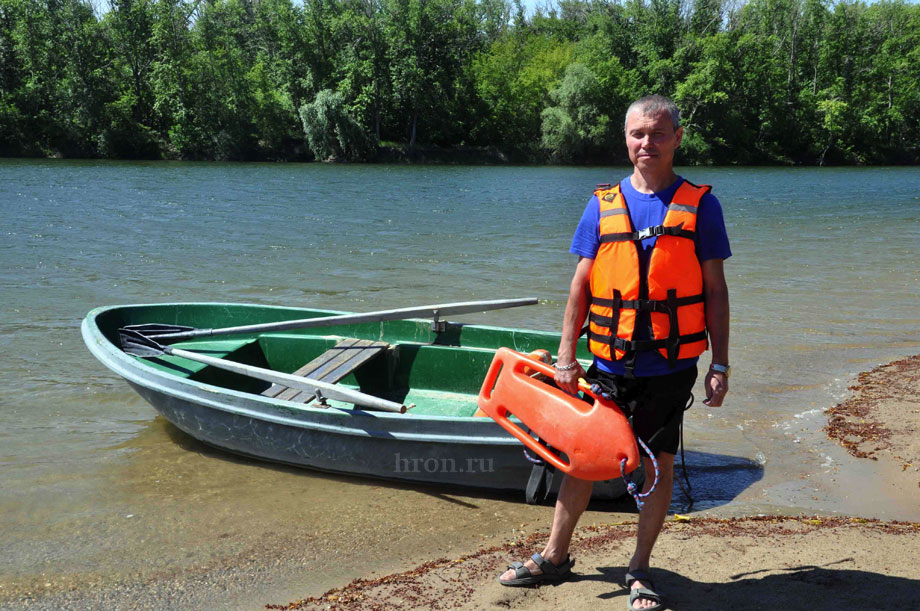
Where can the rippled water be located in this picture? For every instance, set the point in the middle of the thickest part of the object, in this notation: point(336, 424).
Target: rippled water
point(824, 284)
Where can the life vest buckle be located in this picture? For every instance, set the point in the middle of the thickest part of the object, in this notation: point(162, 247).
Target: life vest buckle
point(652, 305)
point(654, 232)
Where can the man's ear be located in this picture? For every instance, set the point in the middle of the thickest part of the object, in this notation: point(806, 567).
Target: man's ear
point(679, 134)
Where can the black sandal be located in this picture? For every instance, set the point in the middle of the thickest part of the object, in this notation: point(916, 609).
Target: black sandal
point(646, 593)
point(551, 572)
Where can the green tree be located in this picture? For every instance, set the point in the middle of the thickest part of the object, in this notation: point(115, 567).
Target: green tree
point(363, 67)
point(430, 42)
point(576, 128)
point(887, 81)
point(711, 108)
point(331, 132)
point(172, 81)
point(658, 32)
point(513, 79)
point(12, 138)
point(126, 131)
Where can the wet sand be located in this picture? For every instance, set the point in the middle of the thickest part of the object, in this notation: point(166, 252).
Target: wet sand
point(881, 420)
point(300, 549)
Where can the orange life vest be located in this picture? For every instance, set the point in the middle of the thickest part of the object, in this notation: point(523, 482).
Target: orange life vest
point(671, 291)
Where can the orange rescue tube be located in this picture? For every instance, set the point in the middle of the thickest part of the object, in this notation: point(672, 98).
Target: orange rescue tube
point(595, 438)
point(539, 355)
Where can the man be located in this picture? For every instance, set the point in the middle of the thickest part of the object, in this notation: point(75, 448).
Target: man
point(650, 280)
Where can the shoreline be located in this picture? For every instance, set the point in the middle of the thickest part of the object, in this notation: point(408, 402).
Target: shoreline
point(481, 156)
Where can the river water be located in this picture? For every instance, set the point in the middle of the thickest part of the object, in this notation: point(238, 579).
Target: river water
point(824, 284)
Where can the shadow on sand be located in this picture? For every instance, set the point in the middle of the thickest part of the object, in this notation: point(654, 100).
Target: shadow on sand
point(715, 480)
point(830, 587)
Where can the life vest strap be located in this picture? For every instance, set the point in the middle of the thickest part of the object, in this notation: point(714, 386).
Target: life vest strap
point(637, 345)
point(643, 305)
point(670, 344)
point(649, 232)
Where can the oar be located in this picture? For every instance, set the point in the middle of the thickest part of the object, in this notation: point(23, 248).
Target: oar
point(145, 347)
point(173, 333)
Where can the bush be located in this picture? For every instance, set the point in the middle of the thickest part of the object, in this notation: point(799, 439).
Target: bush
point(576, 128)
point(332, 133)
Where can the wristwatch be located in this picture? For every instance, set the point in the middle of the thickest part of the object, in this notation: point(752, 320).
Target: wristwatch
point(721, 369)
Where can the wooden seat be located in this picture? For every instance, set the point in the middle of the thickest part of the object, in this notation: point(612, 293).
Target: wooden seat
point(331, 366)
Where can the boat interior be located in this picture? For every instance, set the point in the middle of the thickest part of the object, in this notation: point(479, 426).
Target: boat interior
point(433, 379)
point(433, 367)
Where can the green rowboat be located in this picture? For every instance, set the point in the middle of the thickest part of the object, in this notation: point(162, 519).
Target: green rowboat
point(434, 368)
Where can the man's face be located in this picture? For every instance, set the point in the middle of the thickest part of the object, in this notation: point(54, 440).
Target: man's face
point(651, 140)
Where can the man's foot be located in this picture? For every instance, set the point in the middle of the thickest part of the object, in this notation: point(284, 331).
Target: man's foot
point(642, 595)
point(536, 569)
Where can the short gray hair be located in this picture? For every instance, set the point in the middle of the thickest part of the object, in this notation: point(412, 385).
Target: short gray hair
point(654, 104)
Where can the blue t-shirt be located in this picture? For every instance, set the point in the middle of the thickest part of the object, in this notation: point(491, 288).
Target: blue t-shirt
point(648, 210)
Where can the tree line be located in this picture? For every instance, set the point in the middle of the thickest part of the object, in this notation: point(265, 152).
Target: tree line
point(758, 82)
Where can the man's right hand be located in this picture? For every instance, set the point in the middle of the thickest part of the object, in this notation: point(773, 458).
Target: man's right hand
point(568, 380)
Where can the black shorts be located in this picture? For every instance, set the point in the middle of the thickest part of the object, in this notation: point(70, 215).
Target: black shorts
point(655, 405)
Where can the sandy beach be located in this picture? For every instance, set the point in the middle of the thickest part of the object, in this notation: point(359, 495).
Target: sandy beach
point(703, 560)
point(747, 563)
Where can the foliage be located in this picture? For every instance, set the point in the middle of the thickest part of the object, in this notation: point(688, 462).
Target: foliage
point(758, 81)
point(576, 126)
point(513, 79)
point(331, 132)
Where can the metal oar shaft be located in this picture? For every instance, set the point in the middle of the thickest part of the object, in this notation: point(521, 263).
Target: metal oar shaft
point(447, 309)
point(330, 391)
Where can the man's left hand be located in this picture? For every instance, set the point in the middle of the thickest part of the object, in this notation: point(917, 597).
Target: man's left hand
point(716, 388)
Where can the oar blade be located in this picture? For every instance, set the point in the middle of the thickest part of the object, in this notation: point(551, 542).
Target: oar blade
point(153, 329)
point(135, 343)
point(130, 335)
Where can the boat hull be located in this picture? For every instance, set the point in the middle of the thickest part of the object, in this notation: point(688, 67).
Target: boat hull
point(368, 449)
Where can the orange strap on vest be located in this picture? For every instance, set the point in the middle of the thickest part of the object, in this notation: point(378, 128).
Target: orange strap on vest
point(595, 438)
point(671, 291)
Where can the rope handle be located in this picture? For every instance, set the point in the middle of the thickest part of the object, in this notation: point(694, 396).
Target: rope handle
point(631, 486)
point(534, 459)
